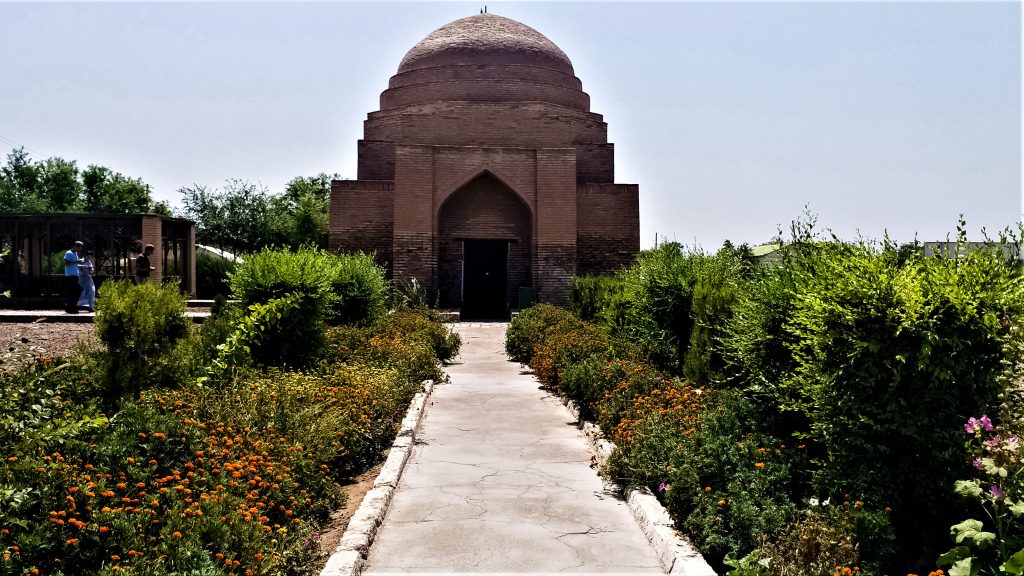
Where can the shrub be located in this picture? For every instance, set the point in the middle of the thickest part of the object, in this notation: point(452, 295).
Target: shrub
point(561, 348)
point(427, 324)
point(590, 296)
point(140, 327)
point(730, 486)
point(869, 335)
point(649, 432)
point(212, 275)
point(586, 382)
point(270, 274)
point(359, 290)
point(531, 326)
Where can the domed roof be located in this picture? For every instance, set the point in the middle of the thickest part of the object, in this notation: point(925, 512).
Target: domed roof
point(486, 39)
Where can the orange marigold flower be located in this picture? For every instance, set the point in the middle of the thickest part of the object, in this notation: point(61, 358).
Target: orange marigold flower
point(176, 534)
point(72, 541)
point(707, 488)
point(759, 465)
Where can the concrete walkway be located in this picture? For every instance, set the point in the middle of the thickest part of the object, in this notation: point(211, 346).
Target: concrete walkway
point(500, 483)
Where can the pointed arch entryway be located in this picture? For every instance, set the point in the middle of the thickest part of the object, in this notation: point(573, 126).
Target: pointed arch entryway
point(485, 233)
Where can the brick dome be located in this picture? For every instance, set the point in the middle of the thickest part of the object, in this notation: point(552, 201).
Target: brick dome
point(486, 39)
point(485, 58)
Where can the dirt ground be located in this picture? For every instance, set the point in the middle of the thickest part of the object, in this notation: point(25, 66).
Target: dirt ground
point(332, 532)
point(22, 342)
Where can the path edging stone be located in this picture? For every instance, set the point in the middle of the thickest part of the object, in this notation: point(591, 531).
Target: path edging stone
point(348, 557)
point(676, 554)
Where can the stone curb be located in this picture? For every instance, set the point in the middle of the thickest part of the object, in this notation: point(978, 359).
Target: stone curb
point(676, 554)
point(347, 558)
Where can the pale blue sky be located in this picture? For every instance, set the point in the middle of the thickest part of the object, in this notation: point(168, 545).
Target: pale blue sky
point(730, 116)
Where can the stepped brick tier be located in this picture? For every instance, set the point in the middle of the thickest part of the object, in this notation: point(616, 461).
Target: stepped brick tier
point(485, 173)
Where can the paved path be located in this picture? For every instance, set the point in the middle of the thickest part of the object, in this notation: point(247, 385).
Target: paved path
point(500, 482)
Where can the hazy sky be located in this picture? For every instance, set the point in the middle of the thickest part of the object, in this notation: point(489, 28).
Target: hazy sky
point(731, 116)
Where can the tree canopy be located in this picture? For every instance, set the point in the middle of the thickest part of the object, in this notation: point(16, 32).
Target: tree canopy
point(243, 216)
point(58, 185)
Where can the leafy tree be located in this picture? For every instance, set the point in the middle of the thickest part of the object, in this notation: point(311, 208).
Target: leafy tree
point(237, 217)
point(109, 191)
point(245, 217)
point(19, 179)
point(59, 185)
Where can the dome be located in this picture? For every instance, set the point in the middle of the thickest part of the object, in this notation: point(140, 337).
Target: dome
point(486, 39)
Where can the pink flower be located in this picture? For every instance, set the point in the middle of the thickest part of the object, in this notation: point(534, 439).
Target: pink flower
point(1013, 443)
point(977, 463)
point(662, 487)
point(972, 425)
point(986, 423)
point(997, 492)
point(993, 442)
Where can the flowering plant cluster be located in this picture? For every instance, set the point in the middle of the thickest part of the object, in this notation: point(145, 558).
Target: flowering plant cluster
point(995, 544)
point(230, 477)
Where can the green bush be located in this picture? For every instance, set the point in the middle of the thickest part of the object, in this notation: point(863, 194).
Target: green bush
point(271, 274)
point(140, 326)
point(359, 290)
point(212, 275)
point(531, 326)
point(590, 296)
point(674, 304)
point(338, 289)
point(871, 334)
point(731, 486)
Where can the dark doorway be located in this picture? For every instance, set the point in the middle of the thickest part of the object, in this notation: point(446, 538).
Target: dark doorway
point(484, 279)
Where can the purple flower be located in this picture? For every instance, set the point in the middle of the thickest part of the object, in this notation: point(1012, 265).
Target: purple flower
point(993, 441)
point(997, 492)
point(662, 487)
point(985, 423)
point(977, 463)
point(972, 425)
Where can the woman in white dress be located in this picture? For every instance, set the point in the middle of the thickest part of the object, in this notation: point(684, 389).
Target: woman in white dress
point(88, 298)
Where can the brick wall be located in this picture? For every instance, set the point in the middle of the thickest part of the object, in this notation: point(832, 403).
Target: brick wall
point(486, 90)
point(454, 73)
point(361, 218)
point(152, 233)
point(595, 163)
point(555, 230)
point(498, 124)
point(484, 209)
point(376, 160)
point(413, 246)
point(608, 235)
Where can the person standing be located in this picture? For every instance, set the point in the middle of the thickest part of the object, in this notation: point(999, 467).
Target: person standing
point(88, 298)
point(143, 265)
point(72, 265)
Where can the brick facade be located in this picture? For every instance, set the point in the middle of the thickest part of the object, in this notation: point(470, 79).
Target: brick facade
point(485, 134)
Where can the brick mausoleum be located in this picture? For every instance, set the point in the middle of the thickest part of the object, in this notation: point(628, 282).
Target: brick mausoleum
point(485, 172)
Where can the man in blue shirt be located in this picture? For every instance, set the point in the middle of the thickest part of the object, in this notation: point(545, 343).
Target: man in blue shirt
point(72, 290)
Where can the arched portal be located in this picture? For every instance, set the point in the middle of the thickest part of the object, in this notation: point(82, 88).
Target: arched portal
point(484, 248)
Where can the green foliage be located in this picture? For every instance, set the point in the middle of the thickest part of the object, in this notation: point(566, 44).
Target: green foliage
point(212, 275)
point(198, 479)
point(109, 191)
point(730, 485)
point(411, 342)
point(248, 342)
point(530, 326)
point(674, 304)
point(359, 290)
point(140, 326)
point(246, 217)
point(57, 185)
point(590, 296)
